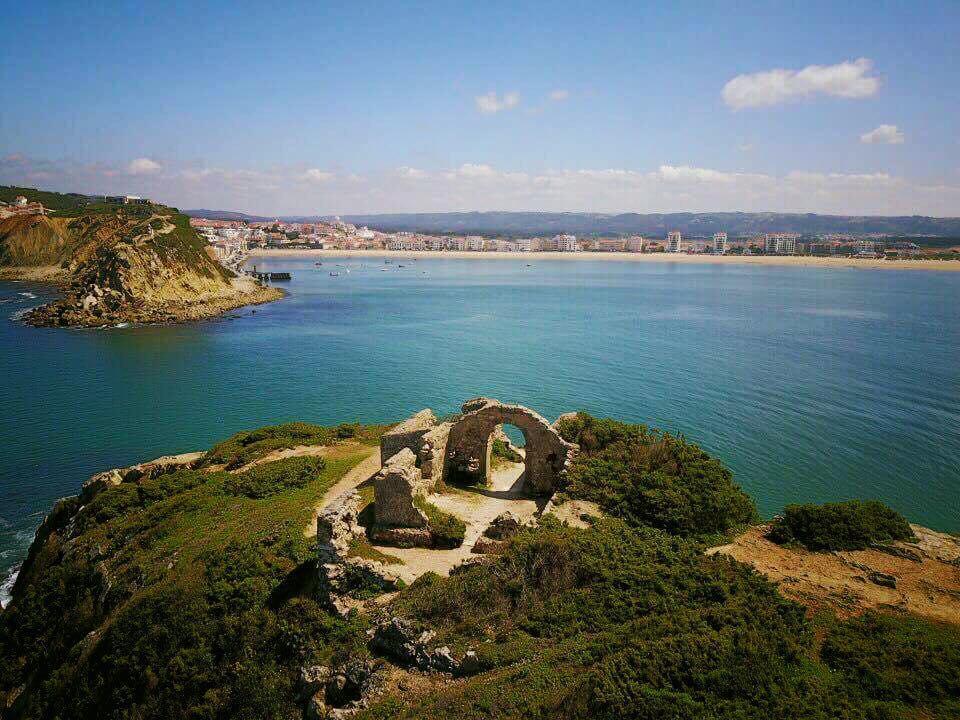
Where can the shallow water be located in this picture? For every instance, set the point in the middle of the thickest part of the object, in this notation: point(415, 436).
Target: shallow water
point(811, 384)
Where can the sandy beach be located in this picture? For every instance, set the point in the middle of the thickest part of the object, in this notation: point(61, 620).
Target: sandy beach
point(536, 257)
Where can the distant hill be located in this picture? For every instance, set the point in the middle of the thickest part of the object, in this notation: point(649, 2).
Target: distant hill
point(654, 224)
point(225, 215)
point(657, 224)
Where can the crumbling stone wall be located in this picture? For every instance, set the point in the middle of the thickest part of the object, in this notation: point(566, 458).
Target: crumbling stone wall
point(407, 434)
point(338, 573)
point(433, 452)
point(395, 487)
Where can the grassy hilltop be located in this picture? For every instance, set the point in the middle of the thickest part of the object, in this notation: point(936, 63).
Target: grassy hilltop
point(117, 263)
point(193, 594)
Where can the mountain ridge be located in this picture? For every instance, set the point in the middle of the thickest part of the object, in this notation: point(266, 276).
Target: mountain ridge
point(583, 223)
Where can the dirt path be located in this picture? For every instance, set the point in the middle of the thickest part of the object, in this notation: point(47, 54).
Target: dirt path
point(368, 467)
point(477, 508)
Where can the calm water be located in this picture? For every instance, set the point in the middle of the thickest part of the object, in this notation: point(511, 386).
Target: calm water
point(812, 385)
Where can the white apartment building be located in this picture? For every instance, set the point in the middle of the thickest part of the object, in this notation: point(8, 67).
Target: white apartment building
point(408, 242)
point(780, 243)
point(720, 243)
point(635, 244)
point(526, 245)
point(674, 241)
point(476, 243)
point(567, 243)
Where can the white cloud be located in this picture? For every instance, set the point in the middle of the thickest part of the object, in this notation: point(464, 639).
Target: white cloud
point(410, 173)
point(143, 166)
point(318, 176)
point(848, 79)
point(884, 135)
point(475, 171)
point(282, 190)
point(490, 103)
point(559, 95)
point(812, 178)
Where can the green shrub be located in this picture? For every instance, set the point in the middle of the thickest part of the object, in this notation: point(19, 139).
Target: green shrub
point(615, 621)
point(652, 478)
point(594, 434)
point(271, 478)
point(851, 525)
point(500, 451)
point(447, 530)
point(898, 660)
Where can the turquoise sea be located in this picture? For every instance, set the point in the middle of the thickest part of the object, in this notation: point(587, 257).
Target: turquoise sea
point(811, 384)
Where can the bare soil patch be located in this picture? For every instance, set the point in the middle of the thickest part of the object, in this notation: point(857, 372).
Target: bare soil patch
point(925, 575)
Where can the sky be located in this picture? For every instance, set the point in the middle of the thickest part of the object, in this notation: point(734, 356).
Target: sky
point(346, 108)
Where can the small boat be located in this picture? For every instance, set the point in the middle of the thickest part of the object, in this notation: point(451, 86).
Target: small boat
point(399, 266)
point(318, 264)
point(334, 274)
point(388, 262)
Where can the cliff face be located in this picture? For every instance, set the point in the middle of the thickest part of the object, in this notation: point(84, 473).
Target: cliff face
point(141, 264)
point(33, 241)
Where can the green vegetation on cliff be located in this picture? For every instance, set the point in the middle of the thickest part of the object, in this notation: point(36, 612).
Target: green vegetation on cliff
point(248, 445)
point(617, 622)
point(652, 478)
point(186, 595)
point(851, 525)
point(50, 200)
point(193, 594)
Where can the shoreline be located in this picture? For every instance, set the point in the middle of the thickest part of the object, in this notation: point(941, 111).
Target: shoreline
point(768, 260)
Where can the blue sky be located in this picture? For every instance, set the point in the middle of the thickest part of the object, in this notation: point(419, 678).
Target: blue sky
point(365, 107)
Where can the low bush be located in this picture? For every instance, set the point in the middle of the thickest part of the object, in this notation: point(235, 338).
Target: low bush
point(851, 525)
point(501, 452)
point(271, 478)
point(619, 622)
point(898, 660)
point(447, 530)
point(651, 478)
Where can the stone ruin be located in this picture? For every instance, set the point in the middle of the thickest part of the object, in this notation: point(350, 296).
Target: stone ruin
point(423, 453)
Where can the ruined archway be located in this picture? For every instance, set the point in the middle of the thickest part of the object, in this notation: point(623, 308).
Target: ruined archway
point(469, 442)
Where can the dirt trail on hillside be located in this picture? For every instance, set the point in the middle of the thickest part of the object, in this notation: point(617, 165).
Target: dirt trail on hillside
point(357, 475)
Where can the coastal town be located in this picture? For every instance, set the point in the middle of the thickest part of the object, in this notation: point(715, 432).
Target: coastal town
point(232, 239)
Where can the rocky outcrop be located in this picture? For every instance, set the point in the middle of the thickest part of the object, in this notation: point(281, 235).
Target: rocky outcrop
point(142, 471)
point(398, 640)
point(341, 693)
point(918, 577)
point(129, 264)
